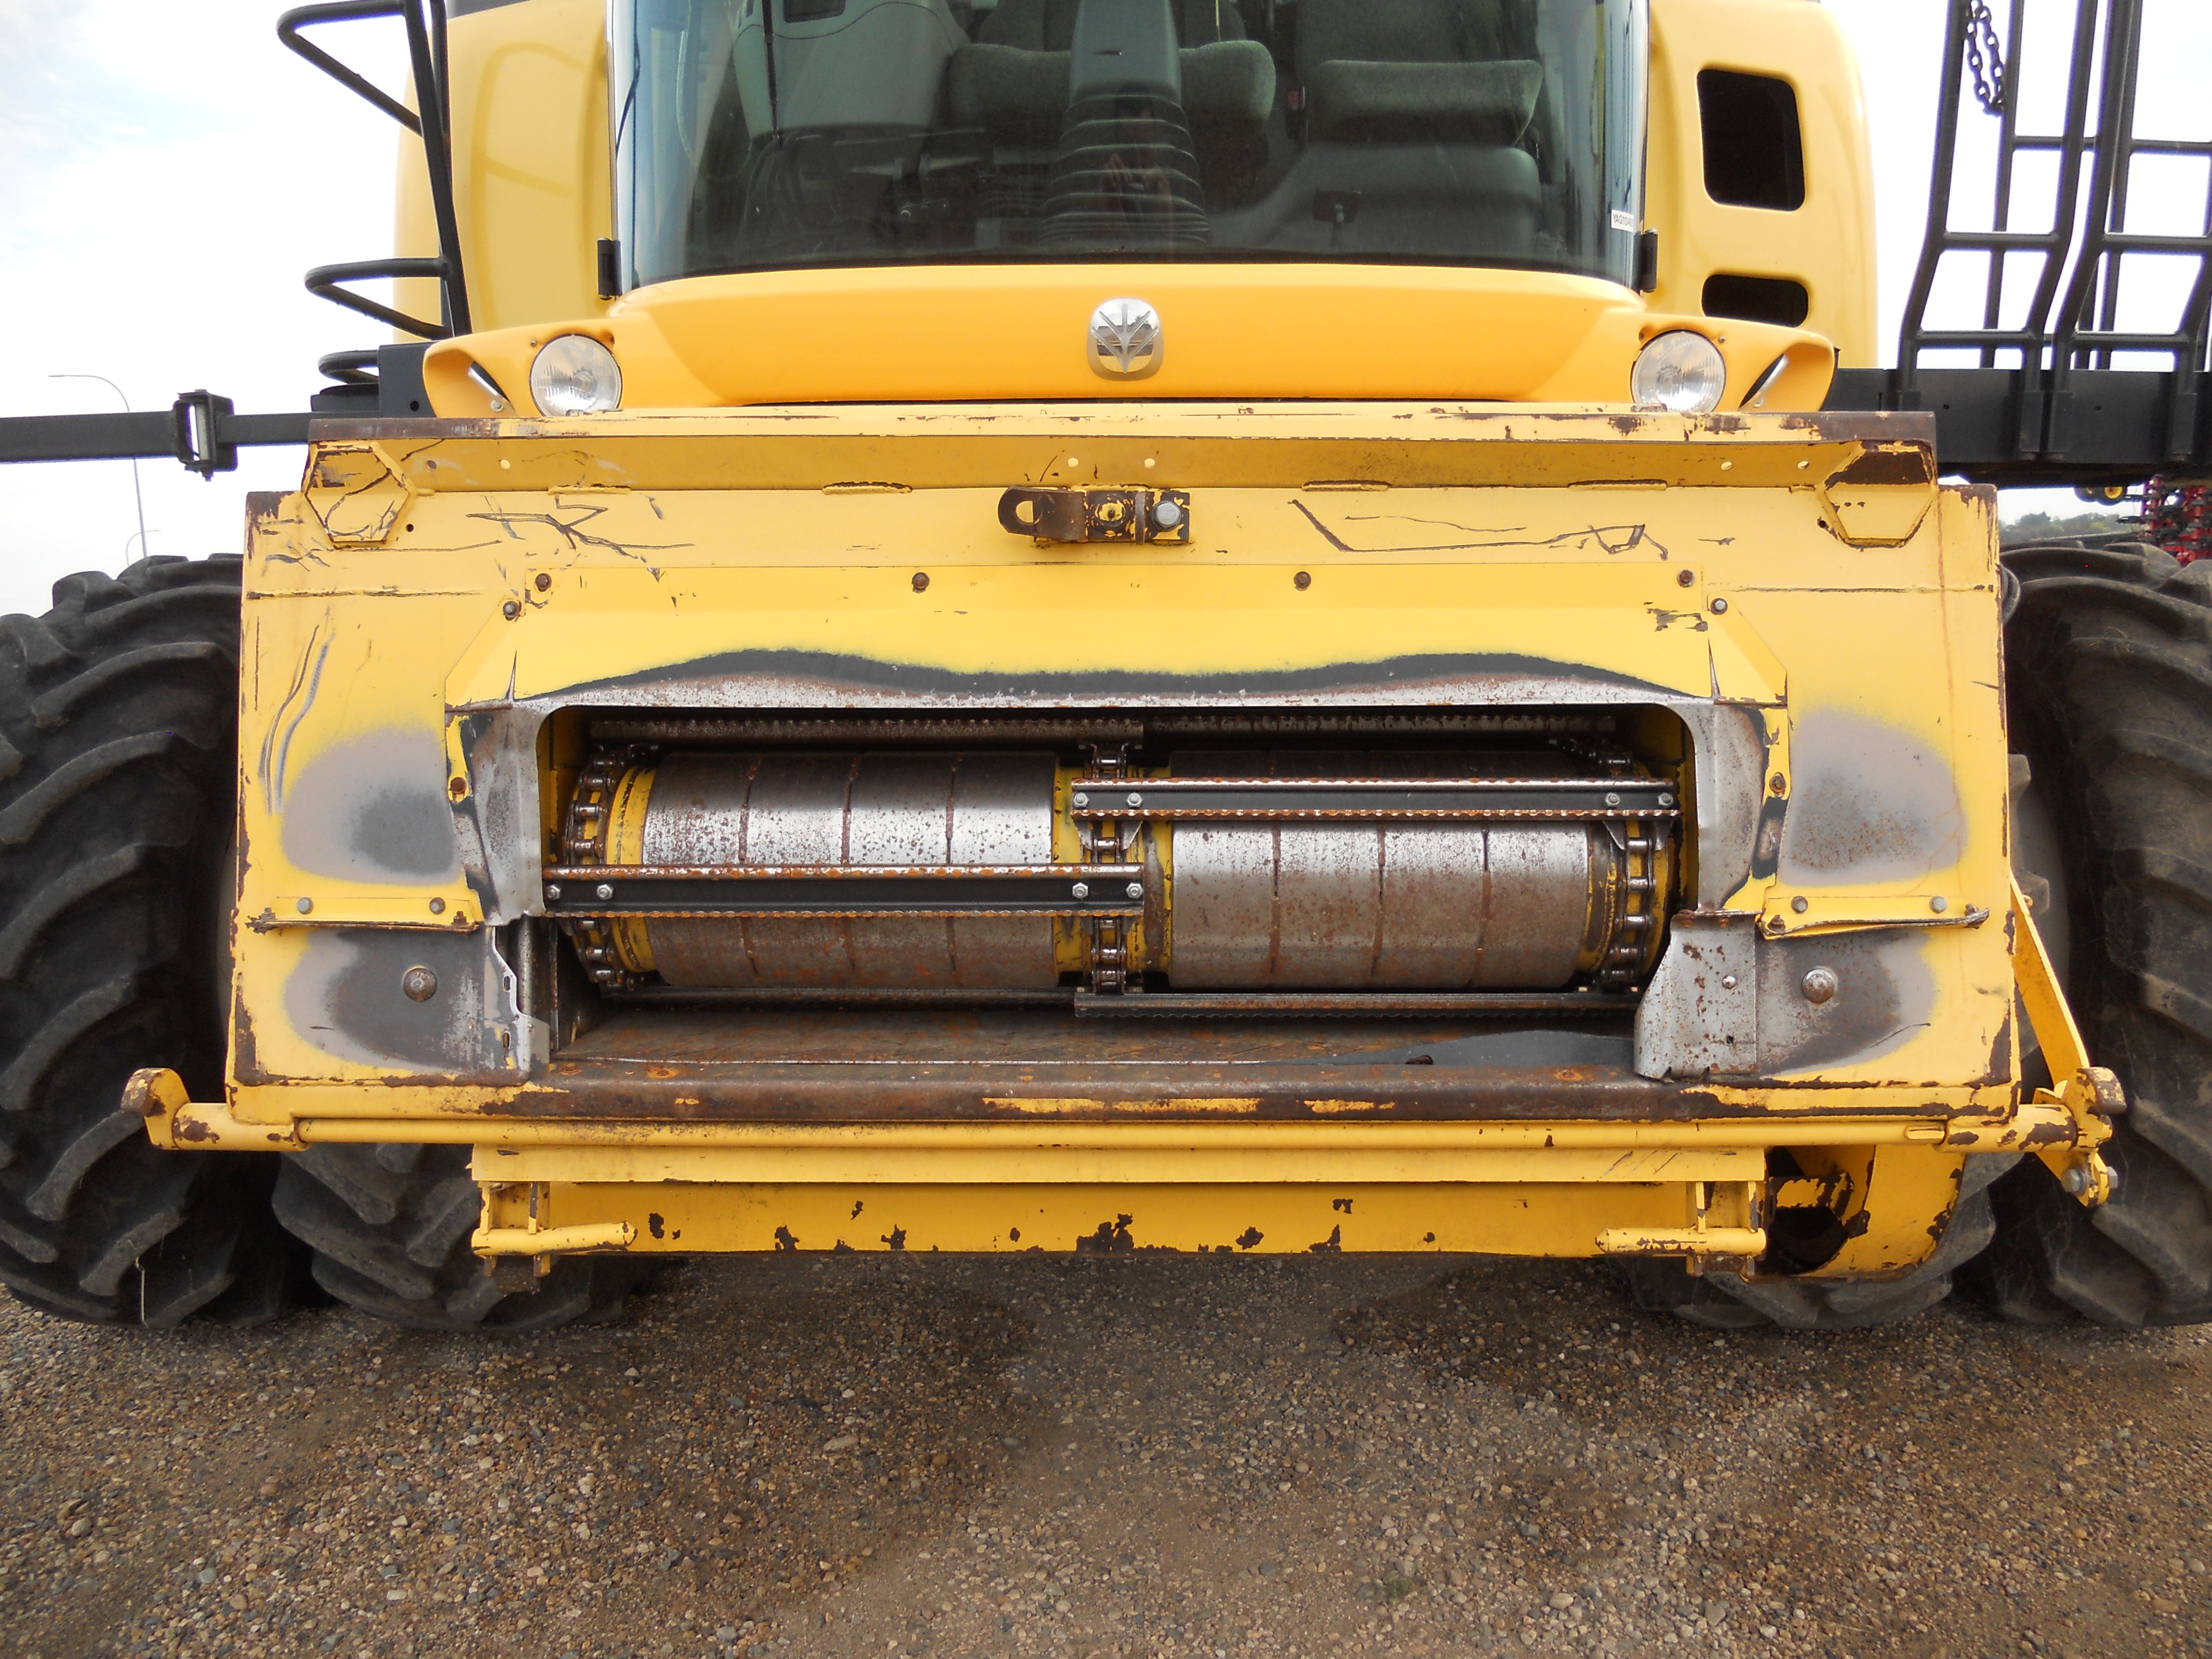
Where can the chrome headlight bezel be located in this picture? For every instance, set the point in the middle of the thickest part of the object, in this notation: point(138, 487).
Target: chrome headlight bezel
point(575, 374)
point(1682, 372)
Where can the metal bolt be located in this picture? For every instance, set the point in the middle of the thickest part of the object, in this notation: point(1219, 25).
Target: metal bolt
point(1135, 799)
point(418, 984)
point(1686, 578)
point(606, 891)
point(2075, 1180)
point(1778, 784)
point(544, 583)
point(1083, 889)
point(1939, 904)
point(1083, 800)
point(1167, 515)
point(511, 610)
point(305, 906)
point(437, 907)
point(1800, 904)
point(553, 892)
point(1728, 981)
point(1136, 890)
point(1820, 984)
point(1719, 605)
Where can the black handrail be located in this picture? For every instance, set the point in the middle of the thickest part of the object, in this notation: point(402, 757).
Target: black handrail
point(431, 120)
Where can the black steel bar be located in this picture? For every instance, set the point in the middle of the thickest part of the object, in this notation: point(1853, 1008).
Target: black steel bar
point(431, 120)
point(143, 435)
point(1290, 1004)
point(322, 282)
point(1368, 798)
point(1068, 890)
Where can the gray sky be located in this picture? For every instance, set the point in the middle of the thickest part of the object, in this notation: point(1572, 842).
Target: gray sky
point(170, 172)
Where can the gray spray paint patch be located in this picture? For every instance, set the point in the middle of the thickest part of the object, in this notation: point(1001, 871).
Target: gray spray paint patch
point(1868, 803)
point(345, 997)
point(374, 810)
point(1885, 997)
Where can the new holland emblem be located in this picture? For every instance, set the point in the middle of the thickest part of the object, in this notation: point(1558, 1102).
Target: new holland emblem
point(1125, 339)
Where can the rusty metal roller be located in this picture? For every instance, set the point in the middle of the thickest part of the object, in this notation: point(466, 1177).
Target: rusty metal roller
point(844, 809)
point(1287, 906)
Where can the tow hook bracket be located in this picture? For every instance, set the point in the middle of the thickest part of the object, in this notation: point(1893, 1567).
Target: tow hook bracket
point(2090, 1096)
point(1725, 1234)
point(519, 1249)
point(1097, 515)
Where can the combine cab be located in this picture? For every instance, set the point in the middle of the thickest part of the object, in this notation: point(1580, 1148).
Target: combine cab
point(1108, 625)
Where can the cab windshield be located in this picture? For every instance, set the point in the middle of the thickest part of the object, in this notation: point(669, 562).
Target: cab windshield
point(757, 135)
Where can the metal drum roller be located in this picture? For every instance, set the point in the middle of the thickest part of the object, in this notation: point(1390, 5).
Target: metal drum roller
point(1240, 871)
point(1285, 905)
point(695, 809)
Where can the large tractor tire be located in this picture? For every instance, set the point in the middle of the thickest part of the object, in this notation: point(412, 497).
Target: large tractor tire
point(119, 760)
point(118, 719)
point(390, 1229)
point(2109, 678)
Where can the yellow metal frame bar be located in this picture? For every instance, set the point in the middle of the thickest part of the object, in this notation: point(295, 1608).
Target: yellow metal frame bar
point(2088, 1095)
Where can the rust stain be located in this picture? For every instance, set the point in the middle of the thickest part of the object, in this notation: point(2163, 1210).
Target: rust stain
point(1236, 1104)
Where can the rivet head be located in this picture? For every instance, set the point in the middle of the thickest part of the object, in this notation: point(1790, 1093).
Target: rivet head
point(1083, 889)
point(305, 907)
point(1083, 800)
point(543, 583)
point(1939, 904)
point(437, 907)
point(1136, 890)
point(418, 984)
point(1728, 981)
point(1135, 799)
point(1611, 798)
point(1778, 784)
point(606, 891)
point(1303, 581)
point(921, 581)
point(1666, 798)
point(1720, 607)
point(511, 610)
point(1820, 984)
point(1800, 904)
point(1686, 578)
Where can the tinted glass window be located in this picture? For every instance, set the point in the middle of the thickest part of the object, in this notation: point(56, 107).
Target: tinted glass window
point(762, 134)
point(1754, 148)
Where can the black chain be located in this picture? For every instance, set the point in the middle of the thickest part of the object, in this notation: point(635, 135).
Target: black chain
point(1985, 56)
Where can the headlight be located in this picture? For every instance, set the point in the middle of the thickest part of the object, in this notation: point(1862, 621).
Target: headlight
point(575, 374)
point(1679, 371)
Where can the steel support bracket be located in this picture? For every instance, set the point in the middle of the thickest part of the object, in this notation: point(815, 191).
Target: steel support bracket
point(511, 1236)
point(1096, 515)
point(1733, 1246)
point(177, 1123)
point(2090, 1096)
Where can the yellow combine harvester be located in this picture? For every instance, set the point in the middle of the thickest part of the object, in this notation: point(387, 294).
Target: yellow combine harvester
point(1107, 625)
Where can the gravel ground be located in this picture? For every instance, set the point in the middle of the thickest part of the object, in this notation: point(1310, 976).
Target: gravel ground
point(888, 1455)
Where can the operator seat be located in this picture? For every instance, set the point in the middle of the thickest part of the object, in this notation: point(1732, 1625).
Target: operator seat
point(1413, 71)
point(1013, 81)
